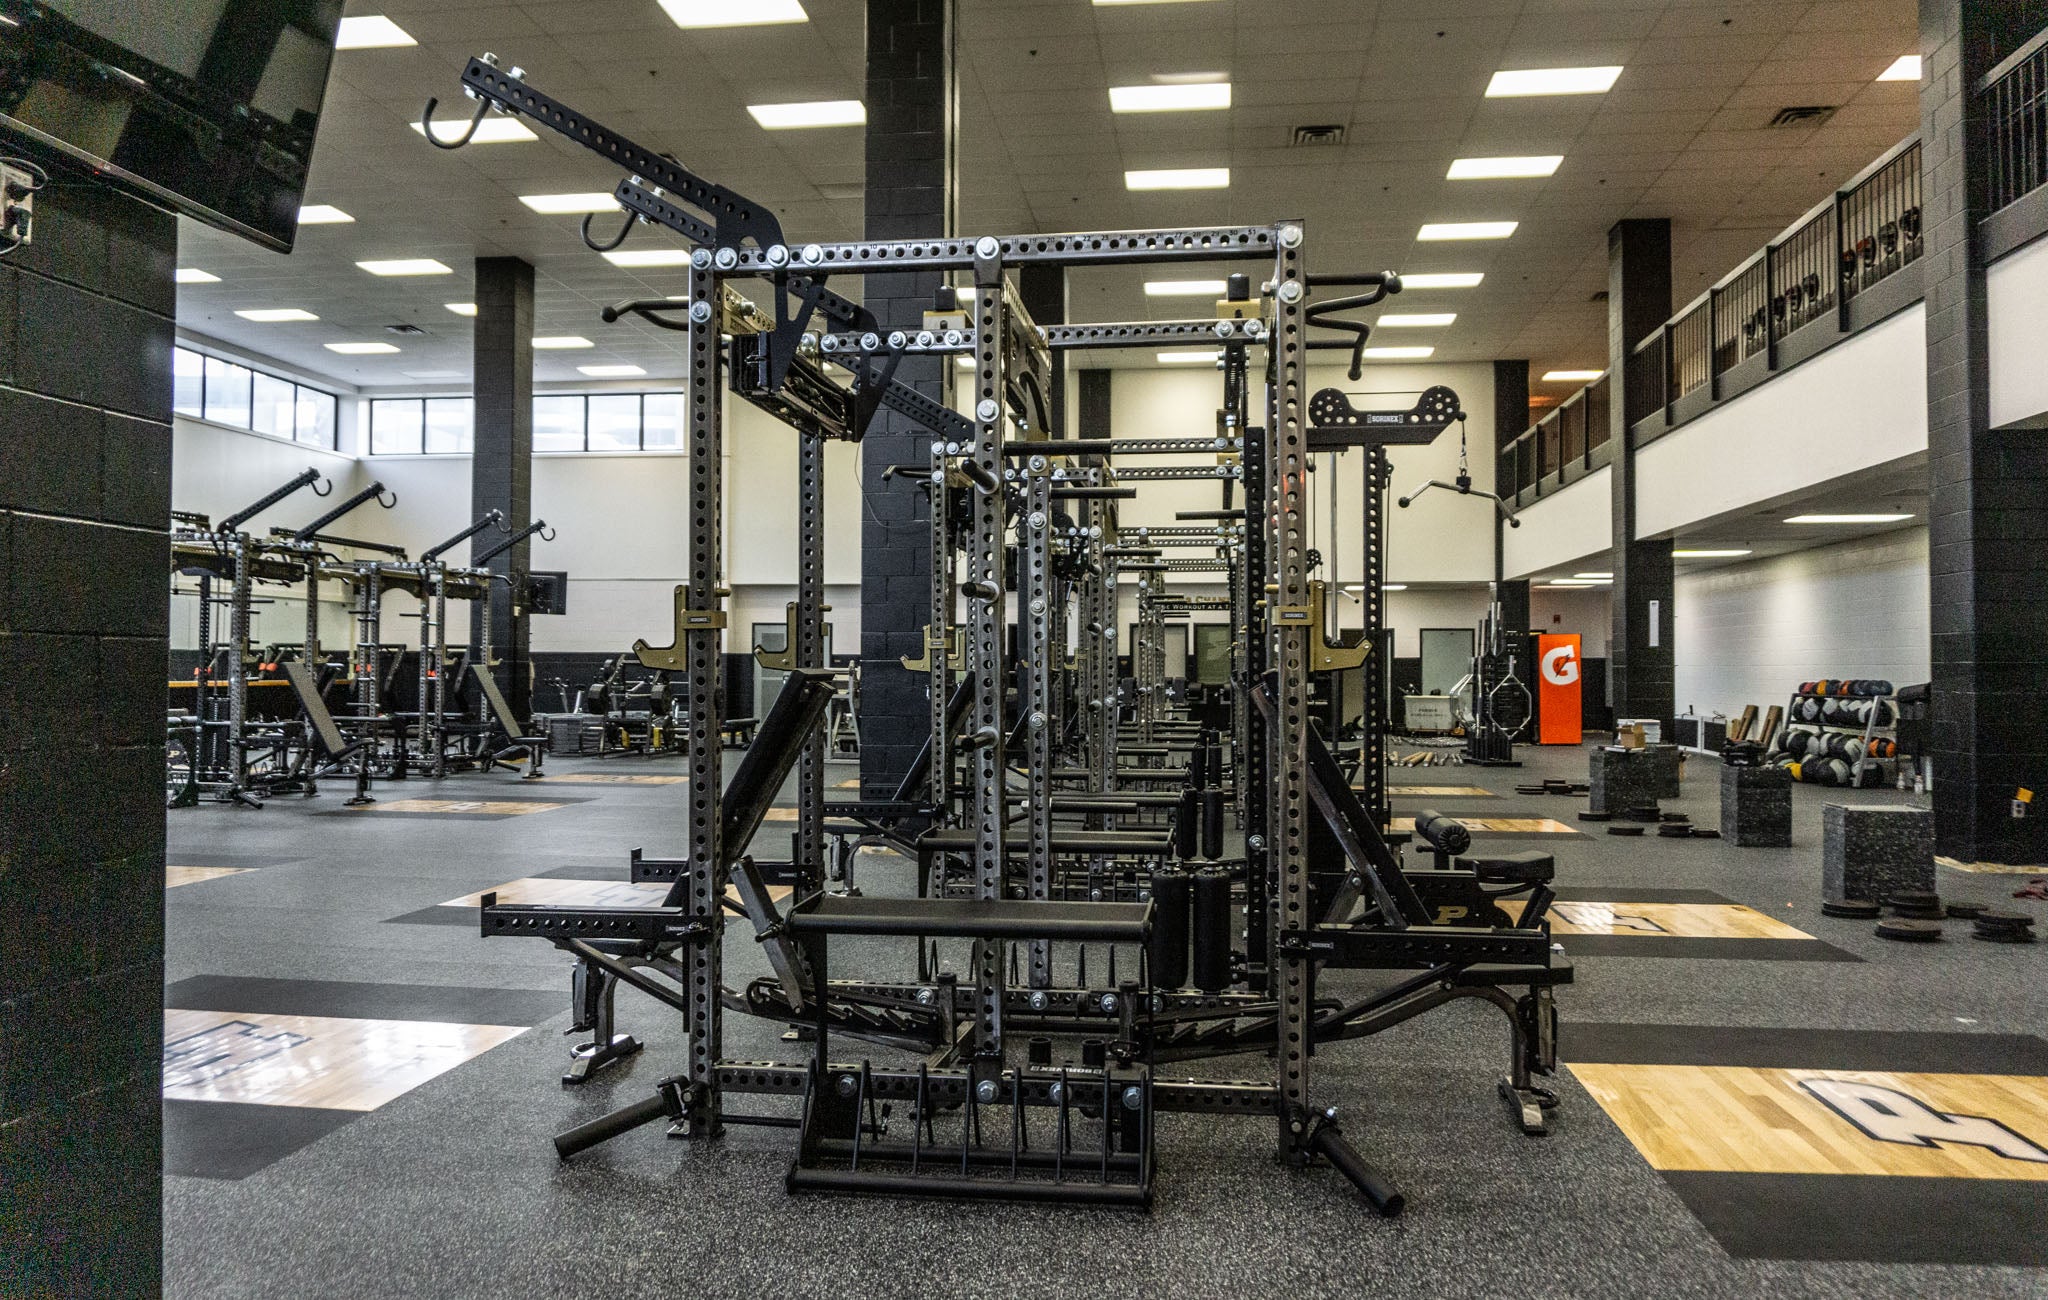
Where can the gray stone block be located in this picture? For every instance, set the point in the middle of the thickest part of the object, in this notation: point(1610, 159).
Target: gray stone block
point(1664, 761)
point(1620, 779)
point(1756, 806)
point(1874, 851)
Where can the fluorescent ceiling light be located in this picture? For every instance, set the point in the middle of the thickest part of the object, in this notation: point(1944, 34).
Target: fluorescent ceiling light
point(494, 129)
point(1572, 582)
point(360, 349)
point(557, 204)
point(371, 32)
point(649, 257)
point(1443, 280)
point(461, 308)
point(1185, 288)
point(1397, 354)
point(1847, 519)
point(1707, 555)
point(610, 372)
point(1904, 68)
point(1393, 586)
point(562, 342)
point(824, 112)
point(407, 266)
point(322, 214)
point(1551, 81)
point(1503, 169)
point(1179, 178)
point(1571, 376)
point(436, 374)
point(1596, 577)
point(193, 275)
point(1417, 320)
point(734, 13)
point(1186, 358)
point(273, 315)
point(1169, 99)
point(1441, 230)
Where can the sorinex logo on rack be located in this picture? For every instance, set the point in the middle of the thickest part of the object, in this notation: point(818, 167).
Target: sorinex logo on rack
point(1561, 664)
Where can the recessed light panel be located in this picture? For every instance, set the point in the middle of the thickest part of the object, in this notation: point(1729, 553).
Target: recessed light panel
point(1904, 68)
point(1503, 169)
point(610, 372)
point(1189, 98)
point(1417, 320)
point(733, 13)
point(824, 112)
point(360, 349)
point(407, 266)
point(322, 214)
point(1551, 81)
point(1398, 354)
point(1443, 280)
point(1179, 178)
point(1847, 519)
point(556, 204)
point(1571, 376)
point(494, 129)
point(1442, 230)
point(649, 257)
point(1187, 358)
point(461, 308)
point(1185, 288)
point(562, 342)
point(1707, 555)
point(193, 275)
point(371, 32)
point(276, 315)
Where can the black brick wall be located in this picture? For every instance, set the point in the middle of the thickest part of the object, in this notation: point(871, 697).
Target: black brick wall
point(909, 189)
point(86, 315)
point(501, 470)
point(1641, 676)
point(1987, 523)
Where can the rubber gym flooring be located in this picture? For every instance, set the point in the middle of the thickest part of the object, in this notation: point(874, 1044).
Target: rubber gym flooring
point(1755, 1100)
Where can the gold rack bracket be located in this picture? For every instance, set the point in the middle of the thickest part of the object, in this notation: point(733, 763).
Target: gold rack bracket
point(946, 643)
point(784, 660)
point(1324, 655)
point(673, 657)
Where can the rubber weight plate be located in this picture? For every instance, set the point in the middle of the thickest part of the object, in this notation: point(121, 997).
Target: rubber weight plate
point(1909, 931)
point(1854, 909)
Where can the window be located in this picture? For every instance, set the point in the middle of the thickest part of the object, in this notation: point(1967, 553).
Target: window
point(558, 423)
point(450, 424)
point(227, 392)
point(562, 422)
point(210, 388)
point(395, 428)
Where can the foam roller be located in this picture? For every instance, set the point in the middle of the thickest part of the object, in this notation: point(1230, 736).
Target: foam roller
point(1211, 930)
point(1168, 948)
point(1442, 833)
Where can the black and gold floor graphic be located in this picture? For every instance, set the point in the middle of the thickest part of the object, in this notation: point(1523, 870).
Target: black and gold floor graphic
point(1838, 1145)
point(1499, 825)
point(255, 1069)
point(610, 778)
point(1638, 921)
point(1436, 791)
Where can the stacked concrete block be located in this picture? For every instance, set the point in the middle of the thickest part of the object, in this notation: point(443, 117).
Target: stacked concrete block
point(1756, 807)
point(1874, 851)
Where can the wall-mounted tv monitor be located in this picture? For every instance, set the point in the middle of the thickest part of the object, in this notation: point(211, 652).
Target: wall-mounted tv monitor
point(207, 107)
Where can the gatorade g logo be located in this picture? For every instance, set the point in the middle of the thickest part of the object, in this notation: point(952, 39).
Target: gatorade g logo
point(1561, 665)
point(1892, 1116)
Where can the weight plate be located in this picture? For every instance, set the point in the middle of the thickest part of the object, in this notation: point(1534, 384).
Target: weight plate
point(1909, 931)
point(1854, 909)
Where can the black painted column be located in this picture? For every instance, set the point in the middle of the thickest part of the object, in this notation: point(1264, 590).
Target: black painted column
point(501, 469)
point(86, 319)
point(1639, 659)
point(909, 196)
point(1987, 527)
point(1510, 421)
point(1043, 290)
point(1091, 412)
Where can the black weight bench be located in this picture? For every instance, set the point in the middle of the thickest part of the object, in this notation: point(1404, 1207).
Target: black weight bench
point(516, 745)
point(735, 733)
point(1530, 867)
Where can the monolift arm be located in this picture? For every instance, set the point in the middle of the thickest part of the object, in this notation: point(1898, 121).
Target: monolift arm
point(309, 477)
point(539, 526)
point(374, 492)
point(488, 518)
point(1378, 284)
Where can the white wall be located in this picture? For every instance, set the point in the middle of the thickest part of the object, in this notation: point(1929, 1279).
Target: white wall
point(1861, 404)
point(2016, 299)
point(1586, 612)
point(1750, 633)
point(1562, 527)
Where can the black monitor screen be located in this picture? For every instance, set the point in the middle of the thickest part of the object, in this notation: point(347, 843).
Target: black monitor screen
point(207, 106)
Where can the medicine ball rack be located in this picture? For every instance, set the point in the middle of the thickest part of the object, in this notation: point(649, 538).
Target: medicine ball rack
point(1872, 739)
point(1321, 888)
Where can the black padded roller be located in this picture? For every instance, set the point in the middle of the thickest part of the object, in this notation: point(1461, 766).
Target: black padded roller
point(1212, 824)
point(606, 1127)
point(1198, 767)
point(1168, 949)
point(1444, 834)
point(1211, 930)
point(1186, 822)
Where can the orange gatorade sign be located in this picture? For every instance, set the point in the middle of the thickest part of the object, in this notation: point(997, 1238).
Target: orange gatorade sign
point(1557, 685)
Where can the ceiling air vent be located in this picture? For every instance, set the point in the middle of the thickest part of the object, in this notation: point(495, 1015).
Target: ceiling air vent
point(403, 328)
point(1803, 115)
point(1331, 133)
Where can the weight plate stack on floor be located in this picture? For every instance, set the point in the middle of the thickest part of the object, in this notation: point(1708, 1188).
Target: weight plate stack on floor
point(1596, 816)
point(1909, 931)
point(1642, 813)
point(2003, 927)
point(1965, 911)
point(1853, 909)
point(1705, 833)
point(1674, 831)
point(1915, 905)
